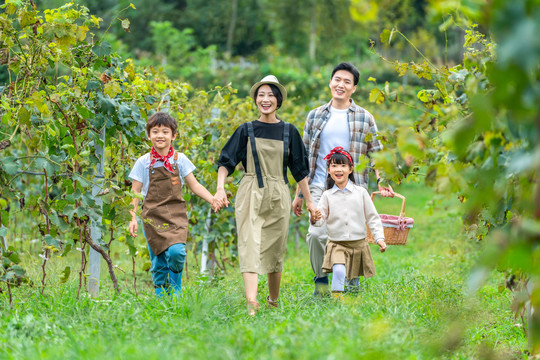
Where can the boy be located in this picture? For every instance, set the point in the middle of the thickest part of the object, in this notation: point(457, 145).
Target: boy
point(157, 175)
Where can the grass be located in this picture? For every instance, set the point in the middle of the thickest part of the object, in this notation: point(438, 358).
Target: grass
point(417, 307)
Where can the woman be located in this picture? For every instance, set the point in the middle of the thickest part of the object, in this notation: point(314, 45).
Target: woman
point(266, 147)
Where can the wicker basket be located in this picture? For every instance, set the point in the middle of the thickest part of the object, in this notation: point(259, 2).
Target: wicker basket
point(392, 235)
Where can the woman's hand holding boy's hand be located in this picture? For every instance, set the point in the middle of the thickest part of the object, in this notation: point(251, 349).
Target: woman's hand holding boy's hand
point(220, 199)
point(382, 246)
point(216, 204)
point(133, 226)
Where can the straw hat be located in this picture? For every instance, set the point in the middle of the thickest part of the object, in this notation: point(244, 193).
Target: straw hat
point(268, 79)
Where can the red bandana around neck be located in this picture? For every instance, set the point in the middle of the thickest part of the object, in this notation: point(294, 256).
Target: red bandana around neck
point(338, 150)
point(155, 157)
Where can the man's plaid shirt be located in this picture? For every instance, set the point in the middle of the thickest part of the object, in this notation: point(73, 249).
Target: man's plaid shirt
point(361, 123)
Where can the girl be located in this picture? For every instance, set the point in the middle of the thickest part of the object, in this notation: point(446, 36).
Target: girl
point(266, 147)
point(347, 209)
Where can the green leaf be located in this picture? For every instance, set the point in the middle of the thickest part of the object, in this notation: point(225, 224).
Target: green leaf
point(150, 99)
point(107, 106)
point(10, 165)
point(24, 116)
point(102, 49)
point(93, 85)
point(10, 9)
point(64, 275)
point(49, 240)
point(9, 275)
point(84, 112)
point(83, 181)
point(67, 249)
point(19, 271)
point(363, 11)
point(376, 96)
point(385, 36)
point(6, 117)
point(27, 18)
point(112, 89)
point(14, 257)
point(482, 111)
point(146, 266)
point(423, 96)
point(409, 144)
point(125, 25)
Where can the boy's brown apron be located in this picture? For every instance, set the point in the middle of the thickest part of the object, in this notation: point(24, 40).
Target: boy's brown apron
point(164, 211)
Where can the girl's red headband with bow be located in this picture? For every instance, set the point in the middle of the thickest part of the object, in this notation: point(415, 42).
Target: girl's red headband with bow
point(338, 150)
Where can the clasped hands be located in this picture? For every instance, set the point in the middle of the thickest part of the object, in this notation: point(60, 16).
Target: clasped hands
point(313, 211)
point(314, 218)
point(220, 200)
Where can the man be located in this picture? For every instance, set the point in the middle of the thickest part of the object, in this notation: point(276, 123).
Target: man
point(338, 123)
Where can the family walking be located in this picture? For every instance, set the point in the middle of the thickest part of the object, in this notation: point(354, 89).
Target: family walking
point(322, 164)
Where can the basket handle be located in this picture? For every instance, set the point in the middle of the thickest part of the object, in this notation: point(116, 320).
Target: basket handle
point(402, 213)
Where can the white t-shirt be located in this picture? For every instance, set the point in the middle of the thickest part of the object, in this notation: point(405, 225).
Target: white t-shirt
point(335, 133)
point(141, 168)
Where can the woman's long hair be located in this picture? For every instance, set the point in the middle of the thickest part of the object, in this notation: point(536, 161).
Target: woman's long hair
point(338, 158)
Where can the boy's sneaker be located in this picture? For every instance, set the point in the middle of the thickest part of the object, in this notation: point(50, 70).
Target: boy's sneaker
point(321, 286)
point(175, 287)
point(160, 292)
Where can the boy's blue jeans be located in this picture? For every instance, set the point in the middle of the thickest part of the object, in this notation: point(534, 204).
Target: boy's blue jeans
point(166, 268)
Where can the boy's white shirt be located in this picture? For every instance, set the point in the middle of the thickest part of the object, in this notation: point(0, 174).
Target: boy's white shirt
point(346, 213)
point(140, 169)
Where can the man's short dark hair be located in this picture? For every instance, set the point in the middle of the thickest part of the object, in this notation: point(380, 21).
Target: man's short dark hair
point(161, 119)
point(347, 67)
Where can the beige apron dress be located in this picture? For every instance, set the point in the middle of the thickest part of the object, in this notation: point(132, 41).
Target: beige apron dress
point(262, 213)
point(164, 210)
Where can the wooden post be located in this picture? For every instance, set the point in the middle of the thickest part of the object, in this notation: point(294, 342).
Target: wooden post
point(207, 258)
point(95, 230)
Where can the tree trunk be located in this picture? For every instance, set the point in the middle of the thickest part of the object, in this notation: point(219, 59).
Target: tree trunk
point(313, 34)
point(232, 26)
point(533, 316)
point(537, 195)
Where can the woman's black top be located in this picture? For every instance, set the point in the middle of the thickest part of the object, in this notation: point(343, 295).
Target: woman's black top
point(235, 149)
